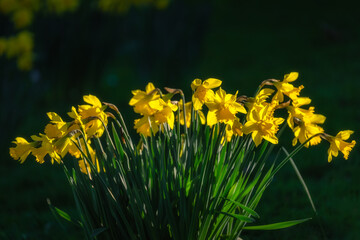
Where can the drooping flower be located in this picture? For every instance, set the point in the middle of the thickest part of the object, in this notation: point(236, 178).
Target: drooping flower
point(93, 116)
point(304, 122)
point(233, 128)
point(146, 125)
point(259, 101)
point(22, 150)
point(47, 148)
point(188, 109)
point(338, 143)
point(166, 114)
point(262, 125)
point(285, 87)
point(203, 92)
point(223, 108)
point(146, 103)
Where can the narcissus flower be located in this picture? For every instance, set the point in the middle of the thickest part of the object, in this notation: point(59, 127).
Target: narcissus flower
point(286, 88)
point(203, 92)
point(304, 122)
point(93, 116)
point(262, 125)
point(223, 108)
point(146, 125)
point(338, 143)
point(165, 115)
point(146, 103)
point(188, 109)
point(22, 150)
point(47, 148)
point(259, 101)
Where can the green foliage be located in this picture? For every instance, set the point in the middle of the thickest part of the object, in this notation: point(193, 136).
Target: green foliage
point(185, 183)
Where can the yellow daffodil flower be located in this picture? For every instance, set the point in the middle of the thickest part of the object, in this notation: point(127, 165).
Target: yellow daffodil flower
point(47, 148)
point(338, 143)
point(203, 92)
point(304, 122)
point(262, 125)
point(22, 150)
point(259, 101)
point(233, 128)
point(145, 125)
point(165, 115)
point(188, 109)
point(93, 127)
point(146, 103)
point(223, 108)
point(286, 88)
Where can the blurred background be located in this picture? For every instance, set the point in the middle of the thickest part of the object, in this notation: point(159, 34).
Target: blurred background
point(55, 51)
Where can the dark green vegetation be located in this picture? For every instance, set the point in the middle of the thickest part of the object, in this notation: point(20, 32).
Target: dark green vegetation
point(241, 44)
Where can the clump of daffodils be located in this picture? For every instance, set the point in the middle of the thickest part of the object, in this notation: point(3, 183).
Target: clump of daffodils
point(63, 137)
point(241, 115)
point(199, 168)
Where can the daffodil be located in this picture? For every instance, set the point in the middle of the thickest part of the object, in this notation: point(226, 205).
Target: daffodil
point(262, 125)
point(304, 122)
point(146, 103)
point(166, 114)
point(57, 127)
point(233, 128)
point(146, 125)
point(47, 148)
point(93, 116)
point(223, 108)
point(22, 150)
point(286, 88)
point(188, 109)
point(338, 143)
point(259, 101)
point(203, 92)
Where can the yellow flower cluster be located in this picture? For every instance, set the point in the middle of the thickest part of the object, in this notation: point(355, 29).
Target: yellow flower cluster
point(59, 137)
point(123, 6)
point(154, 109)
point(259, 119)
point(20, 47)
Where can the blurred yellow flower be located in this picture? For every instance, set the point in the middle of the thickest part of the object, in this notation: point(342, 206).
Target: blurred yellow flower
point(223, 108)
point(337, 144)
point(22, 17)
point(203, 92)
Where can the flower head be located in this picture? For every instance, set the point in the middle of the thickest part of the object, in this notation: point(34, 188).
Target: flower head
point(223, 108)
point(203, 92)
point(188, 109)
point(22, 150)
point(337, 144)
point(304, 122)
point(146, 103)
point(262, 124)
point(285, 87)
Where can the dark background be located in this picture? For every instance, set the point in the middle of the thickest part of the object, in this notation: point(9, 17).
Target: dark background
point(241, 43)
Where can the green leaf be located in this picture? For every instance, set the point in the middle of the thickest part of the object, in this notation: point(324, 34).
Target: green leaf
point(247, 209)
point(97, 231)
point(238, 216)
point(275, 226)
